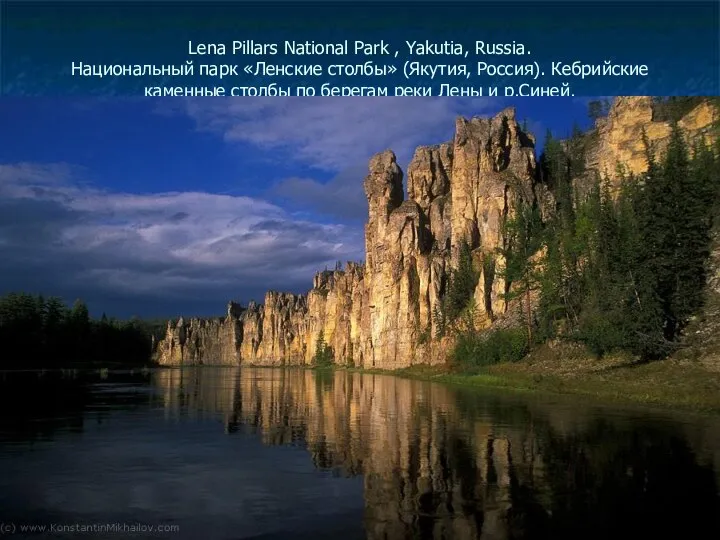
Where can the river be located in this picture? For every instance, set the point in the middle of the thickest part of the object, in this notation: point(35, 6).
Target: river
point(263, 453)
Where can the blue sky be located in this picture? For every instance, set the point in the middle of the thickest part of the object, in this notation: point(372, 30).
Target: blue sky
point(162, 207)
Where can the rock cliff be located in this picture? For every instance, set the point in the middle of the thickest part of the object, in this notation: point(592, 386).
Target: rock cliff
point(198, 341)
point(381, 314)
point(619, 136)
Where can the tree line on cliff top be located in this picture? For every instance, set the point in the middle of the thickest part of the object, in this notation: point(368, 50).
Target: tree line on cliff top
point(39, 332)
point(619, 267)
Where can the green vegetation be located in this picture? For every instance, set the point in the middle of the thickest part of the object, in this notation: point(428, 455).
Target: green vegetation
point(474, 350)
point(38, 332)
point(462, 284)
point(456, 301)
point(625, 265)
point(425, 336)
point(323, 352)
point(645, 254)
point(619, 267)
point(568, 369)
point(523, 242)
point(456, 316)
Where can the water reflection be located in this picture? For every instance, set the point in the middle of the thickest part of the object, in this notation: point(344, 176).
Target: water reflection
point(440, 462)
point(269, 453)
point(36, 405)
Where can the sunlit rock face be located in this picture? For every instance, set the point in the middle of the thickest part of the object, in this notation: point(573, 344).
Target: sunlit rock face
point(619, 135)
point(202, 341)
point(380, 314)
point(373, 315)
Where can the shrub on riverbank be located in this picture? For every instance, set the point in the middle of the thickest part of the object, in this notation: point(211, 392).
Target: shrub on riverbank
point(474, 349)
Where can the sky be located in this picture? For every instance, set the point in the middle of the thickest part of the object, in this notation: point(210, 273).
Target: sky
point(165, 207)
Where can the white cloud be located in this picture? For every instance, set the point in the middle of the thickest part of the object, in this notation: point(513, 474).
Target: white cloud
point(179, 244)
point(334, 133)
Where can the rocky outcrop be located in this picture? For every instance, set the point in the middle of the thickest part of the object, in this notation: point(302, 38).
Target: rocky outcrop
point(619, 140)
point(198, 341)
point(282, 331)
point(382, 314)
point(373, 315)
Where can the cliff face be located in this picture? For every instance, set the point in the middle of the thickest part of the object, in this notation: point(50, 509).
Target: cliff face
point(380, 314)
point(619, 136)
point(198, 341)
point(373, 315)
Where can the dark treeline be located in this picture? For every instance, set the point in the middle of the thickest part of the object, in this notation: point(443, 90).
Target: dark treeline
point(618, 264)
point(38, 332)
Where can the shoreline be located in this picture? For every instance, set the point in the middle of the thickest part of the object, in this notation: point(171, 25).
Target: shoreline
point(680, 385)
point(676, 383)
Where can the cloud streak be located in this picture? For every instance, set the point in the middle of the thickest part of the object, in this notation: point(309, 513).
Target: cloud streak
point(333, 133)
point(59, 234)
point(336, 135)
point(342, 197)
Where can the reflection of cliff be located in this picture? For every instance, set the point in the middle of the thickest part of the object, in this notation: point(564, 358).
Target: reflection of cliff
point(441, 463)
point(193, 394)
point(380, 313)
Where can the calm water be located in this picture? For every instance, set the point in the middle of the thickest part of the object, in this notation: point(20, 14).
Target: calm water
point(267, 453)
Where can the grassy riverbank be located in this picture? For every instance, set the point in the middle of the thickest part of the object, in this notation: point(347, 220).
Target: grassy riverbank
point(678, 382)
point(689, 380)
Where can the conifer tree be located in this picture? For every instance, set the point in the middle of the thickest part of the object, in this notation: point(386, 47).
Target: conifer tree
point(523, 241)
point(462, 283)
point(323, 353)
